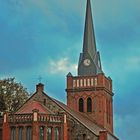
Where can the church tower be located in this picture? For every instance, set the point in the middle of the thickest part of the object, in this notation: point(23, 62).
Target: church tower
point(90, 93)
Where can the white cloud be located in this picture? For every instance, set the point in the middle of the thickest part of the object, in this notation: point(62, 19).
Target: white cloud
point(63, 65)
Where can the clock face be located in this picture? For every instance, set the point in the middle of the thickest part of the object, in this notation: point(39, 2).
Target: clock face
point(87, 62)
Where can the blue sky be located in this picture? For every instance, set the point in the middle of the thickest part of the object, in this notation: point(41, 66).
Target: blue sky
point(44, 38)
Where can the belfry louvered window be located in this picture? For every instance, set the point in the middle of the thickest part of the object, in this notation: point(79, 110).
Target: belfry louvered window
point(81, 105)
point(89, 105)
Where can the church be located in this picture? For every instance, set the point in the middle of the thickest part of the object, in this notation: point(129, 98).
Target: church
point(88, 114)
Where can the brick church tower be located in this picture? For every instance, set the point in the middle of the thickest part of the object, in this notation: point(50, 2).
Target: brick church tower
point(90, 92)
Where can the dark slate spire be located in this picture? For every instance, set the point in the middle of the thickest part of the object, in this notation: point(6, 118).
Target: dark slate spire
point(89, 61)
point(89, 44)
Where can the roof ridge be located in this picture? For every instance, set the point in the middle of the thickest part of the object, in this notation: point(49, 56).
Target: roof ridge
point(71, 112)
point(77, 113)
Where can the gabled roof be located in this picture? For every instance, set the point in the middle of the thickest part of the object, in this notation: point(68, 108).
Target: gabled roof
point(34, 104)
point(30, 106)
point(80, 118)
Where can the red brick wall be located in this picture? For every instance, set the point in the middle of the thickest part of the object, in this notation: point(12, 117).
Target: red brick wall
point(99, 89)
point(103, 135)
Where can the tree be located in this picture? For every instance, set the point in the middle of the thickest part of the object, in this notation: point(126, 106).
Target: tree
point(12, 95)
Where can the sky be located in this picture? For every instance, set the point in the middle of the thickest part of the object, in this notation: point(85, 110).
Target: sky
point(45, 37)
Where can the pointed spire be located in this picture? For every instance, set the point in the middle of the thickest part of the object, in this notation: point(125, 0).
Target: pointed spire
point(89, 60)
point(89, 44)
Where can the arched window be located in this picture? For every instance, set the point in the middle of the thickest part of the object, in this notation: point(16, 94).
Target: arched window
point(13, 133)
point(89, 105)
point(20, 133)
point(29, 133)
point(49, 133)
point(41, 133)
point(84, 136)
point(81, 105)
point(57, 133)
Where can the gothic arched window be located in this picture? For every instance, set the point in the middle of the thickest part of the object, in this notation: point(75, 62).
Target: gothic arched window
point(89, 104)
point(81, 105)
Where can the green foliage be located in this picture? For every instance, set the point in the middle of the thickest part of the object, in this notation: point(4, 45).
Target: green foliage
point(12, 95)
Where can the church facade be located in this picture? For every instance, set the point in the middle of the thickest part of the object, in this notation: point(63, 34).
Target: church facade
point(88, 114)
